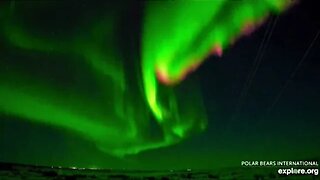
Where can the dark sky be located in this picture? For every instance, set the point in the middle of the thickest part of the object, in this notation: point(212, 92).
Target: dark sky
point(274, 115)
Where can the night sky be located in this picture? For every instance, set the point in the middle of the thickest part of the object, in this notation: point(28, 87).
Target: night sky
point(259, 106)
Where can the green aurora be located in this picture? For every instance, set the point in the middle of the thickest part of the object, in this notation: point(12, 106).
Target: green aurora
point(128, 95)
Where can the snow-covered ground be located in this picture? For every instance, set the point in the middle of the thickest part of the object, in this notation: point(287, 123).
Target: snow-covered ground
point(19, 171)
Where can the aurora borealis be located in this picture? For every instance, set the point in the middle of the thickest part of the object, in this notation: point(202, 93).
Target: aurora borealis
point(184, 40)
point(124, 80)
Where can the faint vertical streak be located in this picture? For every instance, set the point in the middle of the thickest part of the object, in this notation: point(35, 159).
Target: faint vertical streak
point(293, 73)
point(12, 6)
point(256, 64)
